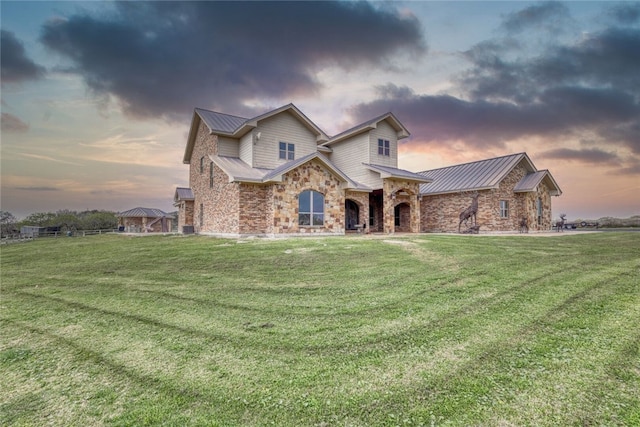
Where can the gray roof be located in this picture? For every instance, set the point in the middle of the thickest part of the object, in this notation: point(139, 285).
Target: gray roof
point(530, 183)
point(238, 170)
point(391, 172)
point(480, 175)
point(183, 193)
point(368, 125)
point(219, 122)
point(144, 212)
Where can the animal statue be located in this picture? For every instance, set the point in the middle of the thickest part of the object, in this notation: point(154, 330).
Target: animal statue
point(560, 224)
point(524, 226)
point(469, 212)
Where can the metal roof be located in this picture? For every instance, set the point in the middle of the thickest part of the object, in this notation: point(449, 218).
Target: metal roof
point(219, 122)
point(530, 183)
point(368, 125)
point(480, 175)
point(391, 172)
point(183, 193)
point(238, 170)
point(144, 212)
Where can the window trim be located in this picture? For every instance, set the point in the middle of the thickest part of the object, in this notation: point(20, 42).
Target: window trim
point(286, 151)
point(504, 209)
point(312, 212)
point(384, 147)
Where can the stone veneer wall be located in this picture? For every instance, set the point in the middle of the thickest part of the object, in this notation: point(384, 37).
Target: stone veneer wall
point(441, 213)
point(362, 200)
point(393, 186)
point(185, 213)
point(284, 200)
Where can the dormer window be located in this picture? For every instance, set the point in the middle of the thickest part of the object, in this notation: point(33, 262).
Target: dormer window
point(287, 151)
point(383, 147)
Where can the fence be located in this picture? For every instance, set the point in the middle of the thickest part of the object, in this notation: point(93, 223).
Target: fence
point(21, 237)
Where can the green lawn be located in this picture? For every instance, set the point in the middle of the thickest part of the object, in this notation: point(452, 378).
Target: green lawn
point(343, 331)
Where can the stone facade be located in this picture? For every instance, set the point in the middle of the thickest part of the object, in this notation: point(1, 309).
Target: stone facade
point(441, 213)
point(309, 176)
point(398, 192)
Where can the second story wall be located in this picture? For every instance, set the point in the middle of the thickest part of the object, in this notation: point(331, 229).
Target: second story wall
point(205, 144)
point(283, 127)
point(385, 132)
point(228, 146)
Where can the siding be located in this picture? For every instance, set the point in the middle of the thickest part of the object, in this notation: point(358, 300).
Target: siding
point(383, 131)
point(281, 127)
point(246, 148)
point(227, 146)
point(348, 156)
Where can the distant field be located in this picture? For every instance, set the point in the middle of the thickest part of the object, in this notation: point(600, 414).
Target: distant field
point(343, 331)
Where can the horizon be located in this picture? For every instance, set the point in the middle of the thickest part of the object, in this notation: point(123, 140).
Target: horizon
point(97, 97)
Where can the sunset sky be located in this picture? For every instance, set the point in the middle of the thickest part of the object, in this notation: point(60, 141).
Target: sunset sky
point(97, 97)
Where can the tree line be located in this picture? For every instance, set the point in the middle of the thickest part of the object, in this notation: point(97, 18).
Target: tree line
point(64, 220)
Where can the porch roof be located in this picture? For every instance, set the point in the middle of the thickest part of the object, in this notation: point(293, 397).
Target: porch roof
point(391, 172)
point(144, 212)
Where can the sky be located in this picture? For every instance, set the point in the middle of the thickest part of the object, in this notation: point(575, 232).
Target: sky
point(97, 97)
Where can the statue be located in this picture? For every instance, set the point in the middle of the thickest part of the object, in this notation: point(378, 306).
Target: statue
point(524, 225)
point(560, 224)
point(470, 212)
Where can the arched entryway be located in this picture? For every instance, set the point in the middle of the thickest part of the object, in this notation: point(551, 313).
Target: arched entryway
point(402, 218)
point(352, 214)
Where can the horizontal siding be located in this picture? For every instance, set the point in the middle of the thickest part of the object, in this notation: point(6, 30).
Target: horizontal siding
point(384, 131)
point(286, 128)
point(227, 146)
point(349, 156)
point(246, 148)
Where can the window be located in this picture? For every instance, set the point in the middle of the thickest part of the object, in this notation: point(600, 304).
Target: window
point(372, 215)
point(202, 164)
point(201, 215)
point(311, 208)
point(287, 151)
point(539, 210)
point(211, 175)
point(383, 147)
point(504, 209)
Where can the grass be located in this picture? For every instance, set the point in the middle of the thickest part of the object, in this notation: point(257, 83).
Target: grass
point(350, 331)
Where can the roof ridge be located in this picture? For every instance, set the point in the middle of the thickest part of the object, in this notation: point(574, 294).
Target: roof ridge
point(222, 114)
point(474, 162)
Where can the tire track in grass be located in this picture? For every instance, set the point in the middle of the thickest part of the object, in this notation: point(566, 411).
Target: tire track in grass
point(483, 375)
point(167, 397)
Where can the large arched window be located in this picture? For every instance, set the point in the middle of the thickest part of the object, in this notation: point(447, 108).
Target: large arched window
point(310, 208)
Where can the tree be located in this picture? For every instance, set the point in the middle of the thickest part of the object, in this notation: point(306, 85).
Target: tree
point(8, 224)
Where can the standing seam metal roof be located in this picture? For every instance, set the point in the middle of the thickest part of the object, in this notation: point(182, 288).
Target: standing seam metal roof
point(220, 122)
point(483, 174)
point(144, 212)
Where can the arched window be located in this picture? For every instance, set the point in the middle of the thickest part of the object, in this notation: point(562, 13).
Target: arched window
point(311, 208)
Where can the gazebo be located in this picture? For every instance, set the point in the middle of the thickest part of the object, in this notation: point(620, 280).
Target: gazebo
point(145, 220)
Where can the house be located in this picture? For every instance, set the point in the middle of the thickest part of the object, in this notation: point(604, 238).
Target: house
point(145, 220)
point(509, 188)
point(280, 174)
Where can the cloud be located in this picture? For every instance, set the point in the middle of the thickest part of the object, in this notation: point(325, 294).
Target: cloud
point(11, 123)
point(548, 16)
point(37, 188)
point(164, 58)
point(15, 66)
point(625, 13)
point(585, 86)
point(595, 156)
